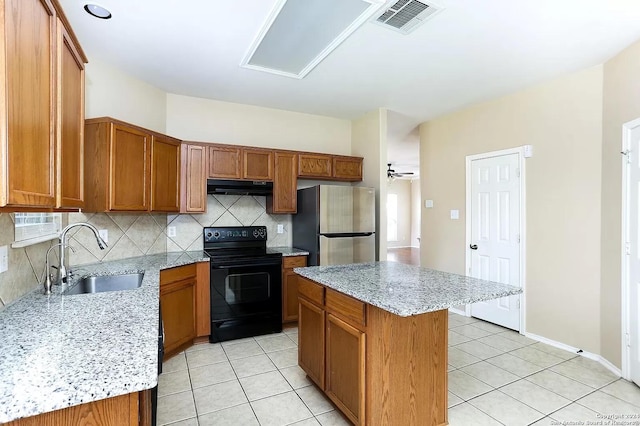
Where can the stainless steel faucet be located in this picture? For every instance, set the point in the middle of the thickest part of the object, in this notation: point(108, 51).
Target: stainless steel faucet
point(62, 269)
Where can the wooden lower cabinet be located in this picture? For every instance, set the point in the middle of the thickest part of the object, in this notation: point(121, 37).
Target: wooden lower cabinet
point(344, 381)
point(290, 287)
point(184, 300)
point(125, 410)
point(311, 342)
point(378, 368)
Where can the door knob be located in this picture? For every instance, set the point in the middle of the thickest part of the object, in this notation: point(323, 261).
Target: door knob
point(473, 246)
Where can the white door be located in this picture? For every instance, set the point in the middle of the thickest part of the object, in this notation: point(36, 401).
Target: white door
point(495, 228)
point(634, 252)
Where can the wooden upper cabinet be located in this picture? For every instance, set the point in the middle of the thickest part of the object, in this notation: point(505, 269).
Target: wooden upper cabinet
point(27, 112)
point(285, 182)
point(314, 166)
point(224, 162)
point(257, 164)
point(347, 168)
point(165, 174)
point(193, 193)
point(128, 168)
point(129, 176)
point(70, 122)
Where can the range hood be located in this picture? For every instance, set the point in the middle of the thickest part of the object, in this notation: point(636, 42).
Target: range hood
point(239, 187)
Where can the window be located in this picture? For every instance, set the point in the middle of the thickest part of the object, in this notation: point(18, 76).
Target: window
point(392, 217)
point(33, 228)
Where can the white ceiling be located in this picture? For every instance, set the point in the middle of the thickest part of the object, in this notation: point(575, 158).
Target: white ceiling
point(470, 52)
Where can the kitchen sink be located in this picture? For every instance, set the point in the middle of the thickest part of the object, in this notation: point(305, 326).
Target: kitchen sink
point(100, 284)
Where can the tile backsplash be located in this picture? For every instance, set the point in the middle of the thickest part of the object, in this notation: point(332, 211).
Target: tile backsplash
point(130, 235)
point(227, 210)
point(26, 265)
point(133, 235)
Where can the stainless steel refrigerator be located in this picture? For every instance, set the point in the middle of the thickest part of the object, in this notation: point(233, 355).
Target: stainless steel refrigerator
point(336, 224)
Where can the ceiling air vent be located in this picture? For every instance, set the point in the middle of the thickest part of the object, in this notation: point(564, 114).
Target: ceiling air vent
point(406, 15)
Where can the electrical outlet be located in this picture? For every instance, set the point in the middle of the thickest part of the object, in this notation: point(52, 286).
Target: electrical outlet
point(280, 228)
point(4, 259)
point(171, 231)
point(104, 234)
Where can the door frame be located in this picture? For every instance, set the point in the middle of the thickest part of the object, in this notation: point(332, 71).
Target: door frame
point(522, 229)
point(625, 284)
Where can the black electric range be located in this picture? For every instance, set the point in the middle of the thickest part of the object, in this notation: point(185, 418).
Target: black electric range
point(246, 283)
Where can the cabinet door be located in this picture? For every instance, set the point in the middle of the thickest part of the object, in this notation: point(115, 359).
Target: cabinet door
point(289, 296)
point(129, 168)
point(311, 341)
point(347, 168)
point(314, 165)
point(28, 147)
point(165, 174)
point(285, 184)
point(257, 164)
point(177, 301)
point(224, 163)
point(345, 367)
point(70, 131)
point(194, 179)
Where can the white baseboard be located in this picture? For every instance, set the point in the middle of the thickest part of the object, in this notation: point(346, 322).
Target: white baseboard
point(458, 311)
point(608, 365)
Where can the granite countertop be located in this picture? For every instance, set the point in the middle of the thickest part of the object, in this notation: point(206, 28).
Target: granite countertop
point(62, 350)
point(405, 290)
point(288, 251)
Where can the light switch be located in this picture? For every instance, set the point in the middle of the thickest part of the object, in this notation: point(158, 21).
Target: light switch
point(4, 259)
point(428, 204)
point(455, 214)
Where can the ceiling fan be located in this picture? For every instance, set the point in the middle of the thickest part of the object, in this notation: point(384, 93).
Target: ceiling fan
point(393, 174)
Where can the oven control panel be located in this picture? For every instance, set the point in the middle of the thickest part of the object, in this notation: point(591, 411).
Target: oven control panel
point(235, 233)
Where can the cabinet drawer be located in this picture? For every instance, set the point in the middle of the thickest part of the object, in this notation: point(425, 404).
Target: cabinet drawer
point(177, 274)
point(294, 262)
point(346, 307)
point(312, 291)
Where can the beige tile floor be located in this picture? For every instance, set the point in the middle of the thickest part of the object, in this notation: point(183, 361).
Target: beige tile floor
point(496, 377)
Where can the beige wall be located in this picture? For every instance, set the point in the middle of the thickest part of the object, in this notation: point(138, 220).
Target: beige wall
point(369, 140)
point(111, 92)
point(562, 120)
point(416, 205)
point(206, 120)
point(402, 188)
point(621, 105)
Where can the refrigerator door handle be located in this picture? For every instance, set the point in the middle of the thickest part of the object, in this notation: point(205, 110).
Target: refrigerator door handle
point(350, 235)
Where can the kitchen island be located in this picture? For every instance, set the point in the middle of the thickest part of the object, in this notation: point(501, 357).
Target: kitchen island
point(373, 337)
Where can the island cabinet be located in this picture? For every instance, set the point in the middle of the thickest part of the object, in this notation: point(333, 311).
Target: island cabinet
point(132, 409)
point(42, 93)
point(378, 368)
point(185, 306)
point(130, 168)
point(290, 287)
point(234, 162)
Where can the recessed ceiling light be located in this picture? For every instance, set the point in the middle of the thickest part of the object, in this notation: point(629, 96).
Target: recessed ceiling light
point(97, 11)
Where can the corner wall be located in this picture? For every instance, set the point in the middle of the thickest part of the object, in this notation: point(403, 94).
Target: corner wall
point(562, 119)
point(369, 140)
point(402, 188)
point(621, 105)
point(206, 120)
point(113, 93)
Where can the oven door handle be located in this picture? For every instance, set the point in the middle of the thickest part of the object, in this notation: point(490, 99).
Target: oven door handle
point(250, 265)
